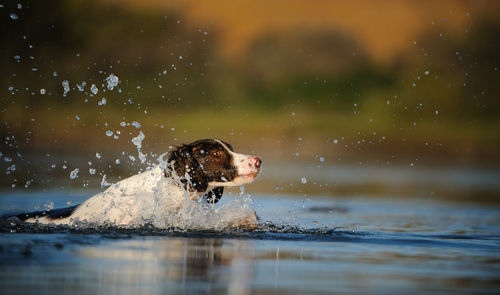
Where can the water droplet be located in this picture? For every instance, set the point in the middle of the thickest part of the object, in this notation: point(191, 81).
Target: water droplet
point(74, 173)
point(94, 89)
point(97, 155)
point(137, 141)
point(303, 180)
point(42, 91)
point(81, 86)
point(109, 133)
point(65, 84)
point(102, 102)
point(104, 183)
point(14, 16)
point(48, 206)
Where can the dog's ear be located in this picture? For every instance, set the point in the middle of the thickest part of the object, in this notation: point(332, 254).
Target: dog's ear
point(214, 195)
point(184, 163)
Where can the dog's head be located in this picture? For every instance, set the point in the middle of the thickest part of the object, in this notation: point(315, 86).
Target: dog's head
point(210, 164)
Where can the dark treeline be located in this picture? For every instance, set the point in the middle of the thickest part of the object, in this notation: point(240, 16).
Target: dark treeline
point(456, 73)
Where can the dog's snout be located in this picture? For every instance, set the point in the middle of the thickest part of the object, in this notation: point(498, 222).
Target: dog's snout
point(255, 161)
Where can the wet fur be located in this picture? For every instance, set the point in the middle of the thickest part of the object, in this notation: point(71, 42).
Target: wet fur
point(196, 164)
point(196, 161)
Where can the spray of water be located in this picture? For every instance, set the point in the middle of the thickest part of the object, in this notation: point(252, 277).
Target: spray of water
point(150, 198)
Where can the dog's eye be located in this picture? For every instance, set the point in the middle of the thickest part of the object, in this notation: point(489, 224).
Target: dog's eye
point(217, 153)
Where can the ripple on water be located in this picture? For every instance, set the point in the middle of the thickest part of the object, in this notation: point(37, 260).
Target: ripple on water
point(266, 231)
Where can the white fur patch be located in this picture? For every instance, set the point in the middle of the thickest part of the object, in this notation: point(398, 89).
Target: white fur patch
point(247, 172)
point(135, 200)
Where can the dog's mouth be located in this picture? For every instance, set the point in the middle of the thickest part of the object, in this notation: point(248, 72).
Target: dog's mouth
point(240, 179)
point(249, 175)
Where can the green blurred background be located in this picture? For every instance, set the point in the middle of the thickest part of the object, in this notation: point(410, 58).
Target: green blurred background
point(330, 92)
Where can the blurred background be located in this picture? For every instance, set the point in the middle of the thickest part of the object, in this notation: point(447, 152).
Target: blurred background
point(384, 98)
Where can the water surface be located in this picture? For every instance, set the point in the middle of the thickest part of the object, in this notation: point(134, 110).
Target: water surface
point(319, 245)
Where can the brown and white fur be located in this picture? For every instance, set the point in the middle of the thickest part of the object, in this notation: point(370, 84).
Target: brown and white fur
point(197, 170)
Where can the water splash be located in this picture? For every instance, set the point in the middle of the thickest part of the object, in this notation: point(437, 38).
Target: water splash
point(104, 183)
point(151, 199)
point(137, 141)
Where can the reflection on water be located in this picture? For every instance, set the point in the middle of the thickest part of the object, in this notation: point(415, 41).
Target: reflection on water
point(322, 246)
point(159, 265)
point(137, 266)
point(173, 264)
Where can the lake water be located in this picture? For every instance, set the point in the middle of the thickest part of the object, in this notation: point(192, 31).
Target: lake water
point(349, 245)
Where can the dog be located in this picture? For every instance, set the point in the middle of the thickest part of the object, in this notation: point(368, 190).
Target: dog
point(199, 170)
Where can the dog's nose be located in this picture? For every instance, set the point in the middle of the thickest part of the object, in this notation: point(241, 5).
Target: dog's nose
point(255, 161)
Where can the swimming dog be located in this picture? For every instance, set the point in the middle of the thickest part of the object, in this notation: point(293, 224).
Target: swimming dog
point(199, 170)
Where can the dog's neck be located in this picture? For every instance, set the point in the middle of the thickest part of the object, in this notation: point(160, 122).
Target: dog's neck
point(195, 193)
